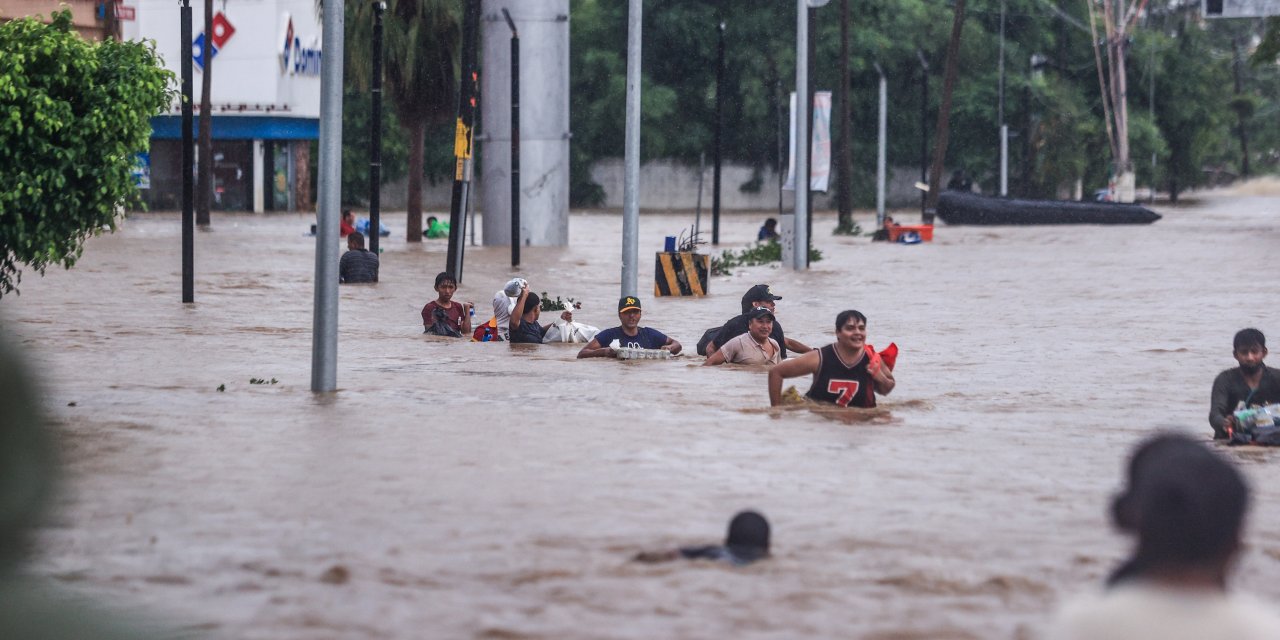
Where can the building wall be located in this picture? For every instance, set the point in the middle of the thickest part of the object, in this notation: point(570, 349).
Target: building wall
point(84, 13)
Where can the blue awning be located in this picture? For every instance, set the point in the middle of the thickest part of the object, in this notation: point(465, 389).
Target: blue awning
point(241, 128)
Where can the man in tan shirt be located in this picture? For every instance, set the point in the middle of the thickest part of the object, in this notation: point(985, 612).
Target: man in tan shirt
point(753, 347)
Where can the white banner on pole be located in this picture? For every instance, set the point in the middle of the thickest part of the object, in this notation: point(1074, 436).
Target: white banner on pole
point(820, 168)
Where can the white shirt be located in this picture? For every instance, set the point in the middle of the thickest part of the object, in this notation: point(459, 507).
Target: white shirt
point(1145, 611)
point(502, 306)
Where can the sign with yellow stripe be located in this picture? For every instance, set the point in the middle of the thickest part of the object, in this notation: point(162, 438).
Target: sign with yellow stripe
point(681, 273)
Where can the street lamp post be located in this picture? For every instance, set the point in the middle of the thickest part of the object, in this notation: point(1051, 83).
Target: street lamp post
point(188, 162)
point(375, 131)
point(1004, 128)
point(924, 127)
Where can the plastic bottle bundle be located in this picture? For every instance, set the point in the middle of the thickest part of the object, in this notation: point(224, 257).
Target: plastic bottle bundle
point(636, 353)
point(1258, 417)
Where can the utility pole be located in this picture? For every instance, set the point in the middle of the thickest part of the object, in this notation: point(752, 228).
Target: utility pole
point(716, 150)
point(188, 163)
point(800, 251)
point(631, 151)
point(881, 147)
point(375, 132)
point(844, 193)
point(515, 139)
point(924, 128)
point(463, 141)
point(1004, 128)
point(324, 331)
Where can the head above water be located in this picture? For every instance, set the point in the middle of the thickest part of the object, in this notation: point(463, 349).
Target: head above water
point(849, 314)
point(347, 215)
point(446, 277)
point(1185, 505)
point(531, 303)
point(758, 296)
point(355, 240)
point(1249, 348)
point(748, 536)
point(1246, 338)
point(770, 223)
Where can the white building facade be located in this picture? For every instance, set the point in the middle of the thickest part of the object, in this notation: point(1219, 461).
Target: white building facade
point(265, 93)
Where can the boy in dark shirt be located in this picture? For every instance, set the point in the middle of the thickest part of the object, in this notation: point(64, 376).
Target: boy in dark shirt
point(524, 318)
point(1251, 383)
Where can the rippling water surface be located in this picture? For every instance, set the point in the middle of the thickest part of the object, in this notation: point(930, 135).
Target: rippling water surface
point(462, 490)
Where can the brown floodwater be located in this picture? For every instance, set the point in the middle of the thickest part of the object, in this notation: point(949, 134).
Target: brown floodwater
point(451, 489)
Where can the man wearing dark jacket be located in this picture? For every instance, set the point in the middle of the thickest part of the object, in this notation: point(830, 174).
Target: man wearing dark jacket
point(1251, 383)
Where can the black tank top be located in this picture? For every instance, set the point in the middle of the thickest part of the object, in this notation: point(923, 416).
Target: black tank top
point(842, 385)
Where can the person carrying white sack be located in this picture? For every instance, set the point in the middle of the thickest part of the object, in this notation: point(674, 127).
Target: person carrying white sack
point(504, 301)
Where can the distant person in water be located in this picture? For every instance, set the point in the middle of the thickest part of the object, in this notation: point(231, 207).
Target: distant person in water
point(1185, 507)
point(959, 181)
point(524, 326)
point(358, 265)
point(882, 234)
point(769, 231)
point(436, 228)
point(845, 373)
point(746, 542)
point(1250, 383)
point(348, 224)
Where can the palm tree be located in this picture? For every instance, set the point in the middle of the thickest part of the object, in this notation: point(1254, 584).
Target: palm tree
point(422, 40)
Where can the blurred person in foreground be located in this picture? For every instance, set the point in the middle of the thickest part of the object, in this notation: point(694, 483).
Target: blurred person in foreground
point(1250, 383)
point(33, 608)
point(1185, 507)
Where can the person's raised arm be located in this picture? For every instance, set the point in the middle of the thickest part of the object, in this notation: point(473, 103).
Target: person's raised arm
point(793, 368)
point(467, 307)
point(517, 312)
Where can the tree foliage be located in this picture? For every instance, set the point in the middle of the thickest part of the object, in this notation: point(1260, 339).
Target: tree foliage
point(73, 116)
point(1054, 112)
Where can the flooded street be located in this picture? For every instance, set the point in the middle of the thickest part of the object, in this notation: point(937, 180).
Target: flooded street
point(474, 490)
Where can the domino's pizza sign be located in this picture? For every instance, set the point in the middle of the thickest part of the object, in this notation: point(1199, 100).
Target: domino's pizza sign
point(222, 32)
point(295, 58)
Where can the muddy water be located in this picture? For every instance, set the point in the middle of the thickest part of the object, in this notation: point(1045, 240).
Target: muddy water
point(460, 490)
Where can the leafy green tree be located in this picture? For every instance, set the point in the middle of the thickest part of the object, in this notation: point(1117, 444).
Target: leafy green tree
point(421, 40)
point(73, 116)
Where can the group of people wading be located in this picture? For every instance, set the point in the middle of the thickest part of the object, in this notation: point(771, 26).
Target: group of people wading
point(847, 372)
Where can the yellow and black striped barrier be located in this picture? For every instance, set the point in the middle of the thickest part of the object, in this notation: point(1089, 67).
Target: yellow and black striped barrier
point(681, 273)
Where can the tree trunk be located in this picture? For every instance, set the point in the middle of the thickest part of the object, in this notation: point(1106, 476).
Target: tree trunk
point(413, 223)
point(844, 191)
point(1241, 119)
point(204, 173)
point(944, 111)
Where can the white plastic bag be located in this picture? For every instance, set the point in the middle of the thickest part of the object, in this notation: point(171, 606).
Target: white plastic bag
point(563, 331)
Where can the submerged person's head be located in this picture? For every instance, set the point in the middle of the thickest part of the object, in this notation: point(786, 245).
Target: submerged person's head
point(1249, 348)
point(748, 536)
point(1185, 506)
point(532, 307)
point(355, 241)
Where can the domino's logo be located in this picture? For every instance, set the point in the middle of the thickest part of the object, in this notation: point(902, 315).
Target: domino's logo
point(295, 59)
point(222, 32)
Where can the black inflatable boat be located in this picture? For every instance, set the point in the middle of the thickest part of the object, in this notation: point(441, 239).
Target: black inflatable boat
point(959, 207)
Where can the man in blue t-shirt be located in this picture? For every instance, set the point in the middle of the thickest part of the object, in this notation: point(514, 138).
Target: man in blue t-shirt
point(630, 334)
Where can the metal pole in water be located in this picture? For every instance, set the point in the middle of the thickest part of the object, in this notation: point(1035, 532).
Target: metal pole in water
point(464, 141)
point(883, 143)
point(375, 132)
point(800, 256)
point(1004, 129)
point(715, 156)
point(188, 164)
point(631, 179)
point(515, 139)
point(324, 325)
